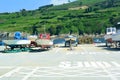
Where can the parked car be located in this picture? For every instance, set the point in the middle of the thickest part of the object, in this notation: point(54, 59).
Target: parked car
point(59, 42)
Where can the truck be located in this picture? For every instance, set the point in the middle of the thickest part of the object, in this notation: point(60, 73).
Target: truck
point(112, 37)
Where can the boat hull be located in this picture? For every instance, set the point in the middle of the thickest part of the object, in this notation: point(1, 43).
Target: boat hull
point(44, 42)
point(17, 42)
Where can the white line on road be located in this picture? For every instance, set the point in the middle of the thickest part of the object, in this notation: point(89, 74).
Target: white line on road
point(103, 66)
point(87, 64)
point(7, 67)
point(107, 52)
point(80, 64)
point(57, 50)
point(115, 63)
point(110, 74)
point(100, 64)
point(63, 72)
point(65, 69)
point(11, 72)
point(106, 64)
point(94, 64)
point(31, 73)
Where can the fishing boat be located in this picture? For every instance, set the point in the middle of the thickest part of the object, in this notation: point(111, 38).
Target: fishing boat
point(17, 43)
point(44, 41)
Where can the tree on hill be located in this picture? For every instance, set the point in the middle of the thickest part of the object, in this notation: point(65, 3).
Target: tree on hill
point(23, 12)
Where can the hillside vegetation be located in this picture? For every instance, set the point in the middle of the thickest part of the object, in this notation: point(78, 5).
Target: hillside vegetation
point(82, 16)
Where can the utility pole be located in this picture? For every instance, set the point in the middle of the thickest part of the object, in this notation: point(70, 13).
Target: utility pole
point(44, 30)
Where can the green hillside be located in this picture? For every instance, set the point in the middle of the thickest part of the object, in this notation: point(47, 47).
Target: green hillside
point(82, 16)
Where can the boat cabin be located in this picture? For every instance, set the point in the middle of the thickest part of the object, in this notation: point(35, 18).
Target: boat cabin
point(111, 30)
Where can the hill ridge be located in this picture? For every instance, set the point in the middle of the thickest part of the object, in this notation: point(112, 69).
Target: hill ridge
point(65, 18)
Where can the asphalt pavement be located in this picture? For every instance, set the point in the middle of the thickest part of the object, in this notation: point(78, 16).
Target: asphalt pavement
point(85, 62)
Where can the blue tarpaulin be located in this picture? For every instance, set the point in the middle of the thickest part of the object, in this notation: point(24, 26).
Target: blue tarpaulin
point(17, 35)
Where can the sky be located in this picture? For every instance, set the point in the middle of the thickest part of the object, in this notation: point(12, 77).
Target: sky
point(17, 5)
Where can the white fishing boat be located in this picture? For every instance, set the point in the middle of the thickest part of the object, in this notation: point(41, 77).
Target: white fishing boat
point(17, 42)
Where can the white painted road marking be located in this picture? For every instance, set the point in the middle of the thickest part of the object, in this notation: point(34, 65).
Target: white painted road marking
point(30, 74)
point(91, 53)
point(65, 64)
point(7, 67)
point(38, 72)
point(11, 72)
point(87, 64)
point(106, 64)
point(94, 64)
point(115, 63)
point(80, 64)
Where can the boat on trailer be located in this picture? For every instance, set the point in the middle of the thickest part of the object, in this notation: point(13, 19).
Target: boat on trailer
point(17, 44)
point(44, 41)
